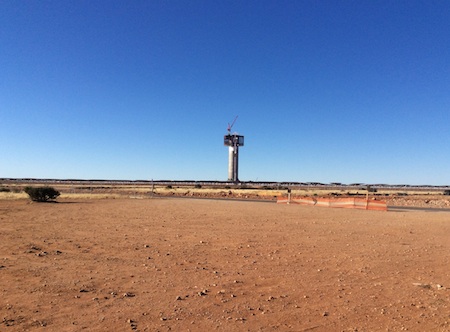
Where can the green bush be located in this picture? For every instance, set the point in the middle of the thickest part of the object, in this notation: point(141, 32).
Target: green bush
point(41, 194)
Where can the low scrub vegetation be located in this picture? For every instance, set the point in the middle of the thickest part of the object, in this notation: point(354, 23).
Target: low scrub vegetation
point(42, 194)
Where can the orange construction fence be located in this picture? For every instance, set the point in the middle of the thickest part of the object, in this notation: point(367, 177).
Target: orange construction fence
point(347, 203)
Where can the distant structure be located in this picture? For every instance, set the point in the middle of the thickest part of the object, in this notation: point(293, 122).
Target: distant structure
point(233, 141)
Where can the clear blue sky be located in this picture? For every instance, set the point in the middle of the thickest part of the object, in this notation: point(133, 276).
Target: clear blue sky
point(326, 91)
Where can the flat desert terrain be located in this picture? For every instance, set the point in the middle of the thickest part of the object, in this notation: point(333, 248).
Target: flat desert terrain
point(173, 264)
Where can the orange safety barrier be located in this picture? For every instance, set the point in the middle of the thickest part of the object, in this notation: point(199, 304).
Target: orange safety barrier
point(346, 203)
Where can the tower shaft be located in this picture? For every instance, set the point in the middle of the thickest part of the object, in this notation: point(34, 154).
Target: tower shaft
point(233, 159)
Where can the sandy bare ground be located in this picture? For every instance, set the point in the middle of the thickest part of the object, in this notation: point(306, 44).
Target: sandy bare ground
point(203, 265)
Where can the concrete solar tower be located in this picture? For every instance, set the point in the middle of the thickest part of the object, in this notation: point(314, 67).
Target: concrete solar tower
point(233, 141)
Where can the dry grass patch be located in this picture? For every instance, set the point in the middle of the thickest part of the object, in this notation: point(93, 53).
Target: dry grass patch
point(12, 195)
point(90, 196)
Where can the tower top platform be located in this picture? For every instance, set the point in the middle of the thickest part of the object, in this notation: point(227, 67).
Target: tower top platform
point(233, 140)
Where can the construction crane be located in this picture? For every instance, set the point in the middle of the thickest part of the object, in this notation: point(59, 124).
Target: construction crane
point(231, 125)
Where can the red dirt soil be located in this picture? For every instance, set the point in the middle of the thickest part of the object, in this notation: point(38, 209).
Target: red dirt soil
point(207, 265)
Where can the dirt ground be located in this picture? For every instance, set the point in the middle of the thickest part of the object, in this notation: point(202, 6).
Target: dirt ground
point(171, 264)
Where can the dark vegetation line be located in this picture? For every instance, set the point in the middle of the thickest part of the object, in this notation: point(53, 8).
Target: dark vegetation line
point(239, 185)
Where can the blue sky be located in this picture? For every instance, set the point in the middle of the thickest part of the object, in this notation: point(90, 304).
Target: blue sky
point(326, 91)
